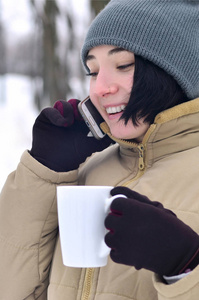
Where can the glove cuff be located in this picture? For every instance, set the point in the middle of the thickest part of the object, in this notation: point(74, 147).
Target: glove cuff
point(192, 263)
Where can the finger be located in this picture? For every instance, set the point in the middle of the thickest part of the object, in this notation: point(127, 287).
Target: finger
point(110, 240)
point(117, 206)
point(74, 103)
point(66, 112)
point(112, 222)
point(125, 191)
point(134, 195)
point(115, 255)
point(128, 207)
point(53, 116)
point(113, 239)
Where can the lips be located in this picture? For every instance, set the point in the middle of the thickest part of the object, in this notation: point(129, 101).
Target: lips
point(115, 109)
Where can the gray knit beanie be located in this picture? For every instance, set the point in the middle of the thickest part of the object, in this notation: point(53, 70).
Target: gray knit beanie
point(165, 32)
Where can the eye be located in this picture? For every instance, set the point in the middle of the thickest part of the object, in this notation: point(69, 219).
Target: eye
point(123, 67)
point(92, 74)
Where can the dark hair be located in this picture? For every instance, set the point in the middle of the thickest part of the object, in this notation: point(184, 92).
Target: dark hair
point(153, 91)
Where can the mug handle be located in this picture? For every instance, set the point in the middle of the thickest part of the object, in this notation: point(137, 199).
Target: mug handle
point(104, 249)
point(109, 201)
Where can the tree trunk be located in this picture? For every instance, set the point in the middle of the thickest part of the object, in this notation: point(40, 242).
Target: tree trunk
point(54, 74)
point(54, 68)
point(98, 5)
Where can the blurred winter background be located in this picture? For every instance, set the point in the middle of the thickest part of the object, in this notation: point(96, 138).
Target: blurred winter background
point(40, 42)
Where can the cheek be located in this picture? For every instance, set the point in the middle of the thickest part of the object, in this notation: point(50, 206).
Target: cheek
point(93, 99)
point(91, 90)
point(129, 83)
point(92, 95)
point(129, 131)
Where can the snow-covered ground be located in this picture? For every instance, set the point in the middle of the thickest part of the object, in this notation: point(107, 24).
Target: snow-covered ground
point(17, 115)
point(17, 112)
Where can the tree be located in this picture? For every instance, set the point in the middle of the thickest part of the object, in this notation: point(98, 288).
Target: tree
point(54, 70)
point(2, 48)
point(98, 5)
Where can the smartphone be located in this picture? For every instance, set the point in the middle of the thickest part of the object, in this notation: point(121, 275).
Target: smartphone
point(92, 117)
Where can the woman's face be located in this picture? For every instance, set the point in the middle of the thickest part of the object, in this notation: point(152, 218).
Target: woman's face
point(111, 80)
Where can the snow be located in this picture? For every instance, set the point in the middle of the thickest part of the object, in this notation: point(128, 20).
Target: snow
point(17, 111)
point(16, 18)
point(17, 116)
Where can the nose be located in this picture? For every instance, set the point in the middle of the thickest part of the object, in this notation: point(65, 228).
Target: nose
point(105, 85)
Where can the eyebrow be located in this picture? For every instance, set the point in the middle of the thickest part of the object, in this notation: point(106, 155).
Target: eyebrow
point(110, 52)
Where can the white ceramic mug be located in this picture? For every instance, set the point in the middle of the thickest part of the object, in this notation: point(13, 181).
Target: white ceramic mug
point(81, 214)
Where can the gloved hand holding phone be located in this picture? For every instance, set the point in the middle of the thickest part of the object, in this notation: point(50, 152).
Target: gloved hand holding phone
point(60, 140)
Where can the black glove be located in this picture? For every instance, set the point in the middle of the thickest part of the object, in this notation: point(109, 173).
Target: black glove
point(60, 139)
point(144, 234)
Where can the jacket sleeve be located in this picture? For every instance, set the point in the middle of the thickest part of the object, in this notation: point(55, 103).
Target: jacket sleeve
point(28, 228)
point(185, 288)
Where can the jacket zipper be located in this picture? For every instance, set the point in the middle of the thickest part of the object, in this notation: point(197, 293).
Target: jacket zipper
point(141, 157)
point(141, 150)
point(141, 166)
point(90, 271)
point(87, 284)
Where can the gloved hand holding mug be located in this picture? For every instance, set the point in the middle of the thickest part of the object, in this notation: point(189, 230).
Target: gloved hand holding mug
point(145, 235)
point(60, 140)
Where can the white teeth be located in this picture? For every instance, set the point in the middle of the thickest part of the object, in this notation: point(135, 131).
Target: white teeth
point(115, 109)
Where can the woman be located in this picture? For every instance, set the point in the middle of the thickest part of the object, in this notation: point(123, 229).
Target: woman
point(143, 61)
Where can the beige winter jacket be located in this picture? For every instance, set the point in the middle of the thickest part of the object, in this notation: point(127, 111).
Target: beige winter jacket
point(165, 167)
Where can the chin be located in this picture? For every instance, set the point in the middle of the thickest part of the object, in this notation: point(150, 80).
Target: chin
point(121, 131)
point(118, 135)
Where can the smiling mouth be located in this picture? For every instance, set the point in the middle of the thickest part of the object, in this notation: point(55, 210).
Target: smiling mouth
point(115, 109)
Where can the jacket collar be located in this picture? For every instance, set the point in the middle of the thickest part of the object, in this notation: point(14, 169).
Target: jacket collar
point(174, 130)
